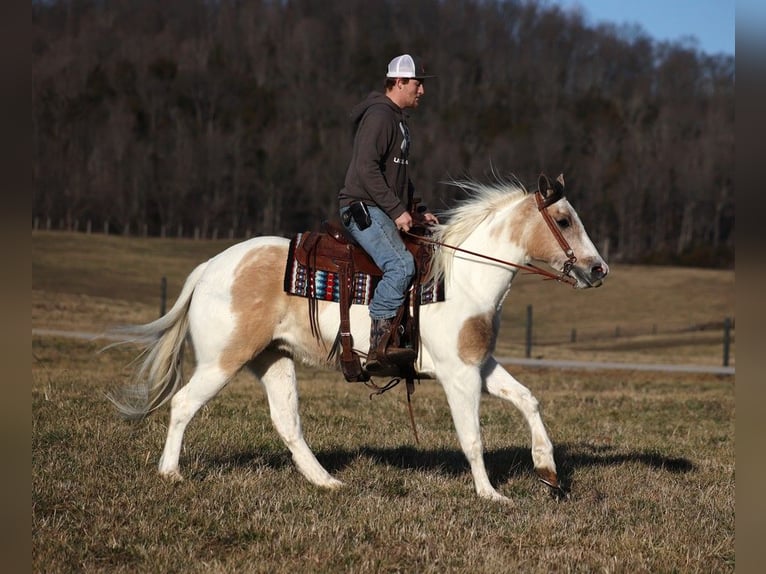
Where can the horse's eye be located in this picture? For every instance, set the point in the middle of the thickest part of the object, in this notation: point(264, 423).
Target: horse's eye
point(563, 223)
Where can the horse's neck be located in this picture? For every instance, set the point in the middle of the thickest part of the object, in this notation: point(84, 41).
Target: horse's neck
point(483, 281)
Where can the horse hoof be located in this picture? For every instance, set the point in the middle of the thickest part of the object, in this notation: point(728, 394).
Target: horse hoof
point(334, 485)
point(172, 476)
point(495, 496)
point(548, 477)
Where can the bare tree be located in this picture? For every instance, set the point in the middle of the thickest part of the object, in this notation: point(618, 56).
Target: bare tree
point(234, 114)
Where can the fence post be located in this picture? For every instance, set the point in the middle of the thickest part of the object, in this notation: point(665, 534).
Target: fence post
point(573, 336)
point(726, 340)
point(163, 294)
point(528, 352)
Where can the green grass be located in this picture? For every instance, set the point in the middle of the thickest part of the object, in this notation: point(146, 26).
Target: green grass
point(648, 458)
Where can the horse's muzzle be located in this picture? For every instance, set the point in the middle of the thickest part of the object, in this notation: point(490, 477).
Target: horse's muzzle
point(592, 276)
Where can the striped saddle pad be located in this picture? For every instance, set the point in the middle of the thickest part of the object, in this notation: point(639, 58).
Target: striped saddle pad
point(311, 271)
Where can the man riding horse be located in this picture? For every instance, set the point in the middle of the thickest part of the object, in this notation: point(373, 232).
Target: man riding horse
point(377, 199)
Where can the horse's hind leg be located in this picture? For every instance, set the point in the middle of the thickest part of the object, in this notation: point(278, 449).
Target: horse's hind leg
point(207, 380)
point(277, 373)
point(501, 383)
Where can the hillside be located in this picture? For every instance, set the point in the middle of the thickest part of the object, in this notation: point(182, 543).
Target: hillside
point(642, 313)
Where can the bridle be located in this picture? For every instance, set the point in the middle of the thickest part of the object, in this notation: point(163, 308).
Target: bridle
point(542, 203)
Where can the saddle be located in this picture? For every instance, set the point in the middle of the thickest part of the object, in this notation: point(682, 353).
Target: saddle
point(334, 267)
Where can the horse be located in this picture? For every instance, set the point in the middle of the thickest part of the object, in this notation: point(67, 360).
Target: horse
point(235, 312)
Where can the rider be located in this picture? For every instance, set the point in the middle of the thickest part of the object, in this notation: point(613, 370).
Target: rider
point(378, 194)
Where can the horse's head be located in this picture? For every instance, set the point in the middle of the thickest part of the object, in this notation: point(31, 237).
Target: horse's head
point(557, 229)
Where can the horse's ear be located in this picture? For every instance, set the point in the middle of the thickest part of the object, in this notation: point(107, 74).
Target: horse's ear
point(558, 185)
point(551, 194)
point(543, 185)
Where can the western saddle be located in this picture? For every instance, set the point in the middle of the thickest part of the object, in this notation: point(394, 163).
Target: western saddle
point(333, 249)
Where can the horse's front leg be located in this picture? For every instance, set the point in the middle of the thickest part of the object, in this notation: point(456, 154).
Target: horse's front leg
point(462, 385)
point(501, 383)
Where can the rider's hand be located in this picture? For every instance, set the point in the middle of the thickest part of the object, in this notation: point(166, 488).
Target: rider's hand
point(404, 221)
point(429, 218)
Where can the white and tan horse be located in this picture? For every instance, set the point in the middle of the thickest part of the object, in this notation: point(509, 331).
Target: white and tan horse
point(236, 313)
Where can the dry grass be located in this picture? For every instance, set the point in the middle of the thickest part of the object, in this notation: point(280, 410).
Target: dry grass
point(88, 283)
point(648, 457)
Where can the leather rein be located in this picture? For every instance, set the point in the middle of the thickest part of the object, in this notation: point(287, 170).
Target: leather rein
point(542, 204)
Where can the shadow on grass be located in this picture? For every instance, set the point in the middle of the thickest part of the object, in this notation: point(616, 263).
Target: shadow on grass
point(502, 464)
point(571, 457)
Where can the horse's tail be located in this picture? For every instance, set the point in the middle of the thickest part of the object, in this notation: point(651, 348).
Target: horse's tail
point(161, 372)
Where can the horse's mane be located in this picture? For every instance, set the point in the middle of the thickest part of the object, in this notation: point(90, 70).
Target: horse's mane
point(460, 221)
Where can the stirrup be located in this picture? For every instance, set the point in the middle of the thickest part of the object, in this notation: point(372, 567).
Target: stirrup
point(400, 355)
point(392, 364)
point(382, 369)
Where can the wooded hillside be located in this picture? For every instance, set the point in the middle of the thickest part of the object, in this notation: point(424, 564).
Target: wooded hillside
point(233, 114)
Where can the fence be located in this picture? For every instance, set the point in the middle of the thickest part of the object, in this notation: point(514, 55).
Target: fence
point(725, 326)
point(108, 228)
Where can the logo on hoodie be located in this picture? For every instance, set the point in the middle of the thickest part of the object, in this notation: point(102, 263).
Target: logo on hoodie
point(405, 143)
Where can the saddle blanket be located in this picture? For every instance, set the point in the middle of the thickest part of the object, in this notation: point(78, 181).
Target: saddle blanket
point(324, 284)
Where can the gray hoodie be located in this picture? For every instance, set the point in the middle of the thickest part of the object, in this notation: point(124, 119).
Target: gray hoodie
point(378, 171)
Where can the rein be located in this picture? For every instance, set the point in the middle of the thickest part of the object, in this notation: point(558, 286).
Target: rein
point(562, 277)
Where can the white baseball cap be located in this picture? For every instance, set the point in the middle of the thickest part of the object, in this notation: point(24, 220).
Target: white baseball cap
point(405, 66)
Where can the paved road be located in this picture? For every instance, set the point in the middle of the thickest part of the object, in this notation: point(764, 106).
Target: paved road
point(548, 363)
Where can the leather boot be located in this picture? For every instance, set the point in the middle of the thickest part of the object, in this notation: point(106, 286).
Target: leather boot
point(383, 359)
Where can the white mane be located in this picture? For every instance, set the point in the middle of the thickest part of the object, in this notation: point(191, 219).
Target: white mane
point(460, 221)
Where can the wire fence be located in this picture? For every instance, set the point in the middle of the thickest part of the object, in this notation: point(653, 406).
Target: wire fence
point(127, 230)
point(720, 330)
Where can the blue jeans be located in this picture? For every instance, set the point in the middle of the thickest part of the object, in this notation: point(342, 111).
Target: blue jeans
point(384, 245)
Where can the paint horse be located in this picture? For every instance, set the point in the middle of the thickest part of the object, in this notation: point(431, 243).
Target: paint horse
point(237, 315)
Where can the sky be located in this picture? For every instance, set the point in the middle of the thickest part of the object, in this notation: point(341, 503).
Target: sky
point(710, 21)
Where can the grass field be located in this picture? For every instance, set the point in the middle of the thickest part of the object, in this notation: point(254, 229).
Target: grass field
point(648, 458)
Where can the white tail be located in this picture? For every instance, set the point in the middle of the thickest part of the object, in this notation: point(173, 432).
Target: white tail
point(161, 372)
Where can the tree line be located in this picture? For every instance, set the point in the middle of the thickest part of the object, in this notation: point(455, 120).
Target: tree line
point(167, 114)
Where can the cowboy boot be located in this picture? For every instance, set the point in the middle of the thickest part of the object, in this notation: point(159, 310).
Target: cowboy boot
point(382, 359)
point(380, 331)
